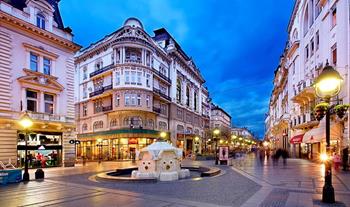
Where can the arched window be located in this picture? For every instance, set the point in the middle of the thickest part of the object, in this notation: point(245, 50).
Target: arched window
point(178, 90)
point(113, 123)
point(195, 101)
point(84, 128)
point(196, 131)
point(98, 65)
point(40, 20)
point(134, 121)
point(98, 125)
point(306, 20)
point(162, 125)
point(188, 95)
point(180, 129)
point(150, 123)
point(295, 34)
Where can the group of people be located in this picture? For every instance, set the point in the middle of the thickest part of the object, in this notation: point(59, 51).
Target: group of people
point(275, 154)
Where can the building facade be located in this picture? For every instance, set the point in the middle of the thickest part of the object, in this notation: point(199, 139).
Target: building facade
point(130, 87)
point(318, 33)
point(37, 76)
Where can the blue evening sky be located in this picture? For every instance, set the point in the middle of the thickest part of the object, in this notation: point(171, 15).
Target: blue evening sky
point(235, 43)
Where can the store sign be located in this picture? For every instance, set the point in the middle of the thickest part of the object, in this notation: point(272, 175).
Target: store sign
point(223, 153)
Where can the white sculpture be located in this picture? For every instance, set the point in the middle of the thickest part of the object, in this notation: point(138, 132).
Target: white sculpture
point(160, 160)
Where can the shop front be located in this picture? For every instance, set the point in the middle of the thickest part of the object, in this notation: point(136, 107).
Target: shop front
point(314, 141)
point(44, 149)
point(119, 144)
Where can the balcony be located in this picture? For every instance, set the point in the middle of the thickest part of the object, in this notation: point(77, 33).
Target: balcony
point(107, 108)
point(131, 60)
point(159, 74)
point(161, 94)
point(100, 91)
point(49, 117)
point(156, 109)
point(101, 70)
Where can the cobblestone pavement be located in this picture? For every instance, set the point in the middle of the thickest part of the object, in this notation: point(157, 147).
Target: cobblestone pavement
point(297, 184)
point(76, 187)
point(247, 183)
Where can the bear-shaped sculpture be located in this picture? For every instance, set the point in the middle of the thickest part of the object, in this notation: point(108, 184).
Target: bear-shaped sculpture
point(160, 160)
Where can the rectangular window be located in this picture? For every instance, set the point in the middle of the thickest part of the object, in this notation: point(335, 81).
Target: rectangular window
point(117, 78)
point(98, 105)
point(312, 45)
point(32, 101)
point(133, 99)
point(84, 73)
point(147, 101)
point(47, 66)
point(127, 77)
point(334, 17)
point(117, 100)
point(138, 99)
point(163, 109)
point(133, 77)
point(84, 109)
point(127, 99)
point(317, 40)
point(139, 77)
point(40, 21)
point(306, 53)
point(48, 99)
point(148, 80)
point(85, 90)
point(334, 54)
point(34, 62)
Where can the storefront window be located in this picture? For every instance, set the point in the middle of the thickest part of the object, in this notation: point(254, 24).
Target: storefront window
point(44, 149)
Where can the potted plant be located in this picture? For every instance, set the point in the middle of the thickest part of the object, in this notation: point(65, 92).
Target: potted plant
point(321, 110)
point(341, 109)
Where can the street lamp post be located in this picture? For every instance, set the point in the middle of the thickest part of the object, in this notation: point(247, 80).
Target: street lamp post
point(26, 122)
point(328, 85)
point(216, 132)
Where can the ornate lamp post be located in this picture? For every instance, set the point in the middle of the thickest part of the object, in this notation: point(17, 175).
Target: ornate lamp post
point(328, 85)
point(216, 133)
point(26, 122)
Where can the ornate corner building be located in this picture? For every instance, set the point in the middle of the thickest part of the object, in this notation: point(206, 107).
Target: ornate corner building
point(36, 75)
point(318, 32)
point(130, 87)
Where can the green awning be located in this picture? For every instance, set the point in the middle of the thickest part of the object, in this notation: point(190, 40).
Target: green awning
point(124, 132)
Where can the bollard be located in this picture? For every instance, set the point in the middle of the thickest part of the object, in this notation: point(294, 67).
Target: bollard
point(39, 174)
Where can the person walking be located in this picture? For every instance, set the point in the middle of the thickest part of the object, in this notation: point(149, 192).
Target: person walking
point(337, 161)
point(284, 154)
point(345, 158)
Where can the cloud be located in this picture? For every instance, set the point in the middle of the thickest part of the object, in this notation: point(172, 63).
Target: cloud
point(235, 43)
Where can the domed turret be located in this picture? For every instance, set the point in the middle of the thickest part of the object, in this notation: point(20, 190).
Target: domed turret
point(133, 22)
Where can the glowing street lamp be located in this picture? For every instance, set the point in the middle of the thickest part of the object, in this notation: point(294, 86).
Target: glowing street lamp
point(163, 135)
point(26, 122)
point(327, 85)
point(216, 133)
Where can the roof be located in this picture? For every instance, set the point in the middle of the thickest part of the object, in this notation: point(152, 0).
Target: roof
point(21, 4)
point(215, 107)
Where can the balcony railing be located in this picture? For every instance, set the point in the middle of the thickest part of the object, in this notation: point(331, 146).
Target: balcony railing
point(100, 91)
point(160, 93)
point(49, 117)
point(107, 108)
point(161, 75)
point(130, 60)
point(101, 70)
point(156, 109)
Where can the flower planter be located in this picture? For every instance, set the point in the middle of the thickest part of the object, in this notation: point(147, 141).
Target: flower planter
point(320, 111)
point(341, 110)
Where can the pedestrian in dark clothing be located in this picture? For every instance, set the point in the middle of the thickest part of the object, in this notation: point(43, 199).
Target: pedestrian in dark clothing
point(345, 158)
point(284, 154)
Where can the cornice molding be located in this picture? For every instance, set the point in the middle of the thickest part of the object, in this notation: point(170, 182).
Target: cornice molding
point(17, 23)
